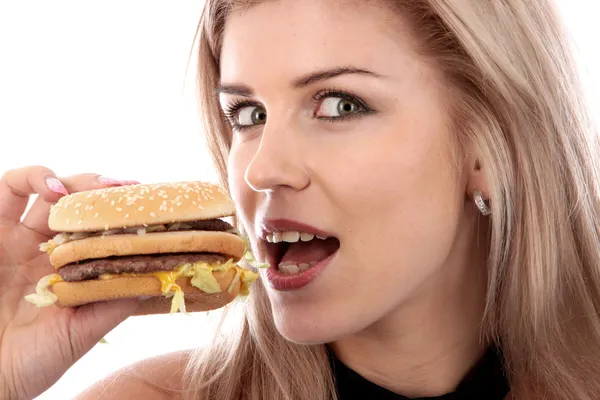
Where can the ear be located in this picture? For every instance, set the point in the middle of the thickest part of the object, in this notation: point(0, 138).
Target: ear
point(477, 179)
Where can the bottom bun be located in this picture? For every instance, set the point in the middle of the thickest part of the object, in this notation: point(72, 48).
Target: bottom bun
point(72, 294)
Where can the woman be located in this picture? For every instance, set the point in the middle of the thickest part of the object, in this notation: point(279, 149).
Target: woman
point(443, 148)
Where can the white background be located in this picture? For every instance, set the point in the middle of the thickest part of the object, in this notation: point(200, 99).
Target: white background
point(100, 86)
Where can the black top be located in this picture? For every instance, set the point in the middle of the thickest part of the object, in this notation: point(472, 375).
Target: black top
point(486, 381)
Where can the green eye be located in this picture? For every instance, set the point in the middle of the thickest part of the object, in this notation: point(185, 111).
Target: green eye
point(251, 115)
point(337, 107)
point(346, 107)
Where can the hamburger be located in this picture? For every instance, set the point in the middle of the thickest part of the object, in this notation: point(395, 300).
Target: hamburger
point(168, 242)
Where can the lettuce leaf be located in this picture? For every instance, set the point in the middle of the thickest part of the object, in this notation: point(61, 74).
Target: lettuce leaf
point(43, 297)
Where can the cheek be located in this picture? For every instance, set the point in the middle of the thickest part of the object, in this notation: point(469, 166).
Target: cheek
point(237, 163)
point(402, 177)
point(421, 191)
point(402, 198)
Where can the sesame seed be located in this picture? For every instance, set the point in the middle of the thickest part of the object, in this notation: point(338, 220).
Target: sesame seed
point(77, 212)
point(151, 198)
point(96, 215)
point(126, 215)
point(178, 204)
point(153, 214)
point(68, 221)
point(106, 227)
point(119, 209)
point(186, 196)
point(141, 208)
point(77, 205)
point(112, 203)
point(79, 222)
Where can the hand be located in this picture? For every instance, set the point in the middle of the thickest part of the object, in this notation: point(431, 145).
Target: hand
point(38, 345)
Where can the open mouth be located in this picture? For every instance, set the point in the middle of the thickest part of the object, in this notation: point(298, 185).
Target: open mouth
point(293, 252)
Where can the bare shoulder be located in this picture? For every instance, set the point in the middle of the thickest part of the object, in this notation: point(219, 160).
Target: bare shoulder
point(156, 378)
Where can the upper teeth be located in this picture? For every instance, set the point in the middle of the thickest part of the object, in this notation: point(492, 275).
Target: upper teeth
point(291, 237)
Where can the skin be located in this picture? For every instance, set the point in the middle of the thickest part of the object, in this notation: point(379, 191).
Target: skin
point(157, 378)
point(402, 300)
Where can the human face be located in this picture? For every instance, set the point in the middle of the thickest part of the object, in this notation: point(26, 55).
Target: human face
point(341, 128)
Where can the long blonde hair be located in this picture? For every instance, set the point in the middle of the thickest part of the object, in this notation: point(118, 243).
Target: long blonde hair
point(520, 101)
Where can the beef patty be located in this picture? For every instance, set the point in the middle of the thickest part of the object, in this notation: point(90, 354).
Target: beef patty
point(91, 269)
point(209, 225)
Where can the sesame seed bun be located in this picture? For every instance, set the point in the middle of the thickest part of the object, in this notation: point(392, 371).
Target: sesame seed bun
point(138, 205)
point(224, 243)
point(72, 294)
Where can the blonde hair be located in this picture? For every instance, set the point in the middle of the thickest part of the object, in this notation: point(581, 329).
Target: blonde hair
point(520, 102)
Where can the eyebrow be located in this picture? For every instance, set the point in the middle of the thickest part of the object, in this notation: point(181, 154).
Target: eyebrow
point(303, 81)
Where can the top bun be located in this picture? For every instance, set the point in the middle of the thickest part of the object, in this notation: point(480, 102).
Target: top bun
point(139, 205)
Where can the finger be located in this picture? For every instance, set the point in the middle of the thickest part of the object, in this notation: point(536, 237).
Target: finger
point(17, 185)
point(93, 321)
point(36, 218)
point(83, 182)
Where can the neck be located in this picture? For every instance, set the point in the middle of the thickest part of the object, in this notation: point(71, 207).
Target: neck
point(427, 345)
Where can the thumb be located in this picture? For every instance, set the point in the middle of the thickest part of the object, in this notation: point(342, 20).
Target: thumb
point(93, 321)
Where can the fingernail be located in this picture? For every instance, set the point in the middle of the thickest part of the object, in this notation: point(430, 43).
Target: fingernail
point(56, 186)
point(130, 182)
point(110, 181)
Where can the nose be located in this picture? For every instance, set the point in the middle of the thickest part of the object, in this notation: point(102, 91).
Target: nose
point(278, 161)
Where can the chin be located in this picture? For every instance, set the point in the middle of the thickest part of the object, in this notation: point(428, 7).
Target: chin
point(313, 324)
point(304, 332)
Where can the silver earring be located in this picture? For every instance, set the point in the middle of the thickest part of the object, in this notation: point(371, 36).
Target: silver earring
point(480, 203)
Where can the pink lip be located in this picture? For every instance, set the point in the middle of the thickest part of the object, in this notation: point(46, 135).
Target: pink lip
point(282, 225)
point(283, 282)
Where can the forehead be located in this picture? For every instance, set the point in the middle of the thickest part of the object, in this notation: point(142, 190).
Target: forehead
point(291, 37)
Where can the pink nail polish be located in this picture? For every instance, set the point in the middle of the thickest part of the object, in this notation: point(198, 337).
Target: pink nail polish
point(130, 182)
point(110, 181)
point(56, 186)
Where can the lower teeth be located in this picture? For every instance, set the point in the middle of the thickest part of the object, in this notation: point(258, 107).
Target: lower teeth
point(289, 268)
